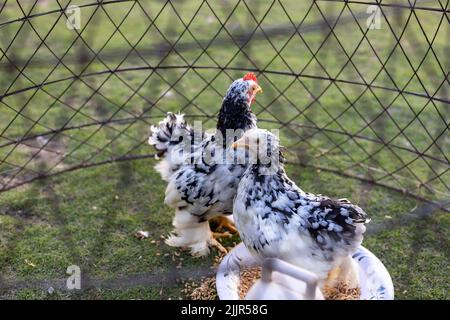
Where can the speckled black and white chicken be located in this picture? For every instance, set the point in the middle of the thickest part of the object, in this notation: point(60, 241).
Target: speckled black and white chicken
point(276, 219)
point(197, 189)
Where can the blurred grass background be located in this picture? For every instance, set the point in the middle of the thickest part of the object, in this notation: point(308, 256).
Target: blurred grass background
point(347, 101)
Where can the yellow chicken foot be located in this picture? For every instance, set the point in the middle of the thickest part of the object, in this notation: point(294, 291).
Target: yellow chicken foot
point(218, 235)
point(219, 246)
point(345, 273)
point(332, 279)
point(223, 222)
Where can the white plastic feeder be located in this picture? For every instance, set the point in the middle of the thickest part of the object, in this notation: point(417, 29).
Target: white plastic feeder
point(283, 281)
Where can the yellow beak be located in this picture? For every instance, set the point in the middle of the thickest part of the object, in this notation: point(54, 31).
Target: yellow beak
point(258, 89)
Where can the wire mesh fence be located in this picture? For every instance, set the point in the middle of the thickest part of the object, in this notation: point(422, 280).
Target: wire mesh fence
point(358, 88)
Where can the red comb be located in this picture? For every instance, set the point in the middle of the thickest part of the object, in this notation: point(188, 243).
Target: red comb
point(250, 76)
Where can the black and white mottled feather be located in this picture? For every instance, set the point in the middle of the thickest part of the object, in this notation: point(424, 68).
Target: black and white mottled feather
point(276, 218)
point(200, 190)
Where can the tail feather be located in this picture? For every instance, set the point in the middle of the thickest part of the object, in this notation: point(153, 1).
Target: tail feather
point(167, 132)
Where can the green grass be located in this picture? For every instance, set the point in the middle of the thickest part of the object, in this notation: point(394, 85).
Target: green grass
point(88, 217)
point(90, 221)
point(85, 224)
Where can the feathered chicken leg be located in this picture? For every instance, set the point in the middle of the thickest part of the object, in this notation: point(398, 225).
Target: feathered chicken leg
point(190, 233)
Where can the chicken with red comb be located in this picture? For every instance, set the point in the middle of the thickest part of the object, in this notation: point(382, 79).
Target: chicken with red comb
point(250, 76)
point(203, 190)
